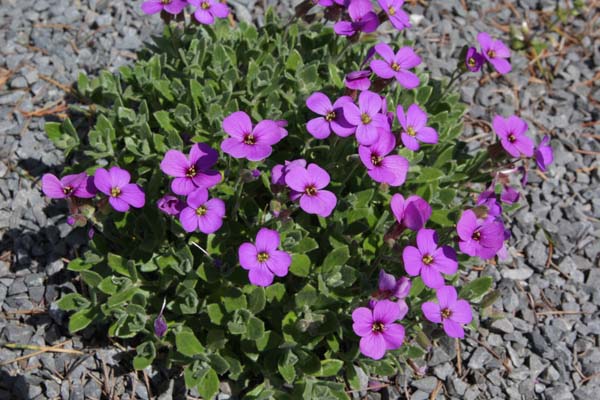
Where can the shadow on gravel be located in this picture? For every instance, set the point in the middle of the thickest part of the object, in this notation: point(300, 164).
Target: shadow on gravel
point(13, 387)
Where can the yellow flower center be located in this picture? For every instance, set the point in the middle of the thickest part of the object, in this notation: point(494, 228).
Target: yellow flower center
point(330, 116)
point(262, 256)
point(491, 53)
point(165, 2)
point(395, 67)
point(378, 327)
point(200, 211)
point(427, 259)
point(67, 190)
point(365, 118)
point(115, 192)
point(191, 172)
point(310, 190)
point(511, 138)
point(476, 235)
point(446, 313)
point(249, 139)
point(411, 131)
point(391, 11)
point(205, 5)
point(471, 62)
point(375, 159)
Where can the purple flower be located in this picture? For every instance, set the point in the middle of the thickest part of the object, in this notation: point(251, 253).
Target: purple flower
point(262, 259)
point(282, 124)
point(279, 171)
point(367, 117)
point(381, 167)
point(191, 172)
point(474, 60)
point(450, 311)
point(78, 185)
point(429, 260)
point(201, 213)
point(332, 116)
point(397, 65)
point(160, 325)
point(543, 154)
point(489, 200)
point(307, 184)
point(412, 213)
point(170, 204)
point(479, 237)
point(495, 52)
point(377, 329)
point(207, 10)
point(362, 16)
point(173, 7)
point(358, 80)
point(397, 16)
point(246, 142)
point(115, 184)
point(414, 129)
point(390, 287)
point(511, 132)
point(509, 195)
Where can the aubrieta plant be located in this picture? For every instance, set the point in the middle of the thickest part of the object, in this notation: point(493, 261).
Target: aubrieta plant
point(287, 207)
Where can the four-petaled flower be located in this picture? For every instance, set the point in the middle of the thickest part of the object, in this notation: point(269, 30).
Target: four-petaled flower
point(246, 142)
point(263, 259)
point(414, 129)
point(473, 60)
point(191, 172)
point(479, 237)
point(77, 185)
point(362, 16)
point(121, 194)
point(495, 52)
point(511, 132)
point(450, 311)
point(429, 260)
point(173, 7)
point(201, 213)
point(358, 80)
point(367, 117)
point(397, 65)
point(332, 116)
point(279, 171)
point(394, 11)
point(377, 328)
point(381, 167)
point(412, 213)
point(543, 154)
point(307, 185)
point(207, 10)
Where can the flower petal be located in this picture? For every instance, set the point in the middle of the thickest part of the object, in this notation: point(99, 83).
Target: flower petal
point(203, 156)
point(210, 222)
point(258, 152)
point(366, 135)
point(427, 135)
point(248, 256)
point(466, 225)
point(352, 114)
point(461, 312)
point(427, 241)
point(267, 240)
point(267, 132)
point(204, 17)
point(118, 204)
point(431, 277)
point(118, 177)
point(188, 219)
point(407, 79)
point(397, 206)
point(453, 329)
point(183, 186)
point(432, 311)
point(386, 312)
point(321, 204)
point(207, 178)
point(279, 262)
point(319, 128)
point(444, 260)
point(446, 296)
point(369, 102)
point(234, 147)
point(102, 181)
point(152, 7)
point(393, 336)
point(385, 51)
point(398, 166)
point(297, 179)
point(373, 345)
point(319, 103)
point(52, 187)
point(219, 9)
point(319, 175)
point(133, 194)
point(363, 321)
point(237, 124)
point(261, 276)
point(413, 260)
point(407, 58)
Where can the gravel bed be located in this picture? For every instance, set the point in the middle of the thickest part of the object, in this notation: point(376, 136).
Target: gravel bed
point(541, 339)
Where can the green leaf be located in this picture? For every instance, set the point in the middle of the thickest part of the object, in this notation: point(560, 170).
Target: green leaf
point(474, 290)
point(428, 174)
point(336, 258)
point(92, 278)
point(187, 343)
point(329, 367)
point(118, 264)
point(81, 319)
point(256, 328)
point(77, 265)
point(300, 265)
point(257, 300)
point(208, 386)
point(146, 352)
point(72, 301)
point(122, 296)
point(305, 245)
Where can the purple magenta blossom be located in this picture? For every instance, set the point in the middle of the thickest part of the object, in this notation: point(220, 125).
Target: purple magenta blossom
point(429, 260)
point(191, 172)
point(358, 80)
point(282, 124)
point(511, 132)
point(245, 142)
point(279, 171)
point(173, 7)
point(77, 185)
point(479, 237)
point(488, 199)
point(414, 129)
point(332, 116)
point(390, 287)
point(71, 220)
point(381, 167)
point(201, 213)
point(207, 10)
point(170, 204)
point(474, 60)
point(160, 325)
point(509, 195)
point(367, 117)
point(397, 65)
point(362, 16)
point(393, 8)
point(495, 52)
point(450, 311)
point(412, 213)
point(377, 329)
point(543, 154)
point(307, 184)
point(115, 184)
point(262, 259)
